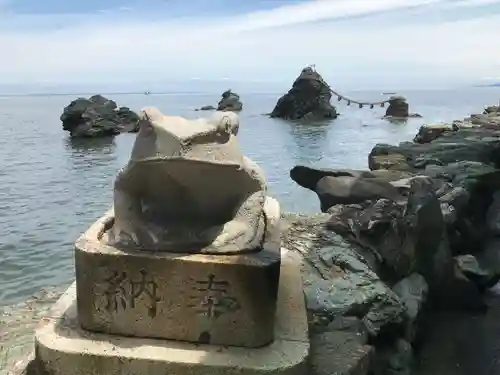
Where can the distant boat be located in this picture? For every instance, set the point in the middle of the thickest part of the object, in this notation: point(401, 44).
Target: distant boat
point(388, 93)
point(147, 92)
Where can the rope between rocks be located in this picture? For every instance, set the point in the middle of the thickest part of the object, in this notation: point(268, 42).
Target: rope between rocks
point(348, 100)
point(361, 104)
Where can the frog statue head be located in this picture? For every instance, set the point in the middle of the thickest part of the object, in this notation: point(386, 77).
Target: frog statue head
point(188, 188)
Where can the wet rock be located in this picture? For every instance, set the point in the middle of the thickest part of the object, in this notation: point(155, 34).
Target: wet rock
point(97, 117)
point(309, 98)
point(399, 108)
point(230, 102)
point(338, 280)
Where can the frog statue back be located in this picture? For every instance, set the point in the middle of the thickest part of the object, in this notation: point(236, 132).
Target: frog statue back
point(188, 188)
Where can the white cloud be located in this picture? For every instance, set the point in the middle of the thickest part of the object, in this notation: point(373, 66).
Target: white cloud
point(351, 42)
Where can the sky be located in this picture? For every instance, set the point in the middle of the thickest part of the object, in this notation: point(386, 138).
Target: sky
point(353, 43)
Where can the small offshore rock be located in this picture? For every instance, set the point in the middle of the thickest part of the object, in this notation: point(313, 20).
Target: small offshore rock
point(206, 108)
point(399, 108)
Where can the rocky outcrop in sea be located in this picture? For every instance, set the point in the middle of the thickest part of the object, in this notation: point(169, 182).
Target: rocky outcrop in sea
point(417, 233)
point(309, 99)
point(230, 101)
point(399, 108)
point(98, 117)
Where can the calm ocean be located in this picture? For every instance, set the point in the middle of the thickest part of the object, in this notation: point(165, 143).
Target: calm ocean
point(52, 188)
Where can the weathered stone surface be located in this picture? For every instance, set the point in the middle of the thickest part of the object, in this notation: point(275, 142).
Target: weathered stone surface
point(97, 117)
point(63, 348)
point(428, 133)
point(216, 299)
point(413, 291)
point(230, 102)
point(396, 232)
point(352, 190)
point(395, 359)
point(340, 353)
point(309, 98)
point(338, 280)
point(308, 177)
point(188, 188)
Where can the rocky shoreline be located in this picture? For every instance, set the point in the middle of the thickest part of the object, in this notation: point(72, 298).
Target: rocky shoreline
point(414, 235)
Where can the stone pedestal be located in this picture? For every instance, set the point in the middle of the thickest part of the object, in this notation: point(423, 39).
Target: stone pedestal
point(210, 299)
point(64, 348)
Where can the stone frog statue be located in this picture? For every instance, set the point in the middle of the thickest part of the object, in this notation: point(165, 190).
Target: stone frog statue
point(188, 188)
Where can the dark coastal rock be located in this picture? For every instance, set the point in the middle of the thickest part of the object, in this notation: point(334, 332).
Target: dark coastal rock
point(230, 102)
point(309, 98)
point(308, 177)
point(345, 186)
point(337, 279)
point(413, 292)
point(206, 108)
point(97, 117)
point(341, 348)
point(407, 237)
point(129, 120)
point(352, 190)
point(351, 310)
point(399, 108)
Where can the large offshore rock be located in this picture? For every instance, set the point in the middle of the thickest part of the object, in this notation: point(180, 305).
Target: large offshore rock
point(230, 101)
point(97, 117)
point(309, 98)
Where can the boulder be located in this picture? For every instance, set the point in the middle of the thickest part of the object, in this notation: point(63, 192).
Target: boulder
point(308, 177)
point(395, 232)
point(352, 312)
point(428, 133)
point(352, 190)
point(338, 280)
point(309, 98)
point(97, 117)
point(399, 108)
point(230, 102)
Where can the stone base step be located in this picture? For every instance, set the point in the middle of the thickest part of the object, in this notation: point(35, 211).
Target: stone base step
point(63, 348)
